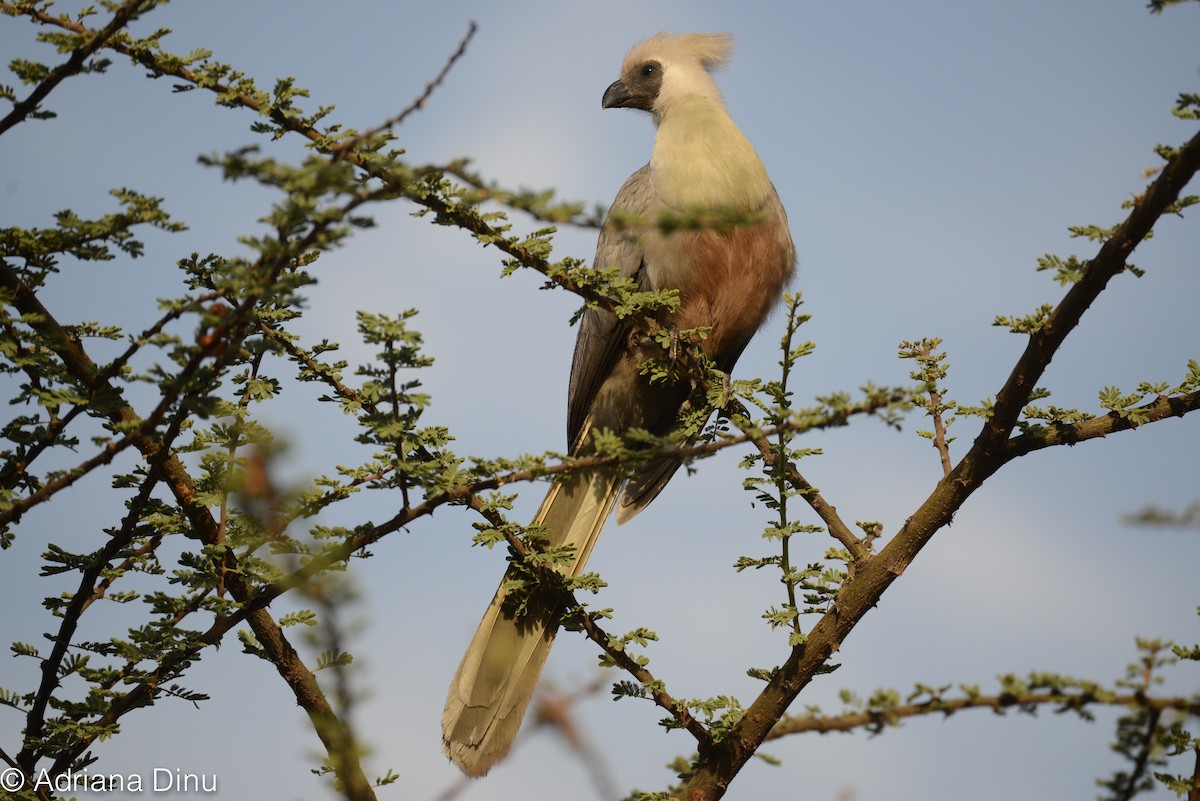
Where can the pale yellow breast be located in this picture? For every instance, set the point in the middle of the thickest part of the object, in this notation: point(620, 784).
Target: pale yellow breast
point(700, 158)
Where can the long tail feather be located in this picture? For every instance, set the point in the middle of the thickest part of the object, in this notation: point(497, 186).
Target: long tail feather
point(496, 678)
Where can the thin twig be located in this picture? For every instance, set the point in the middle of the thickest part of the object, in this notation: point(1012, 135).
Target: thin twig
point(462, 493)
point(876, 719)
point(684, 454)
point(835, 525)
point(341, 149)
point(935, 408)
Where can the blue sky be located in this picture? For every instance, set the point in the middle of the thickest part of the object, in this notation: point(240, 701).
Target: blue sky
point(927, 153)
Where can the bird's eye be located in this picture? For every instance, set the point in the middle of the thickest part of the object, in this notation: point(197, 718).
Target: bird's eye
point(647, 70)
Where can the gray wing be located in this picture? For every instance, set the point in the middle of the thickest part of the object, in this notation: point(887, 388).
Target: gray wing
point(601, 335)
point(650, 479)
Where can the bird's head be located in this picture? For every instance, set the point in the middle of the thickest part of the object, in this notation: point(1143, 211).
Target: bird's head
point(664, 69)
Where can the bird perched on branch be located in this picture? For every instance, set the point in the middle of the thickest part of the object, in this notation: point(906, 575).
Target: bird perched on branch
point(728, 280)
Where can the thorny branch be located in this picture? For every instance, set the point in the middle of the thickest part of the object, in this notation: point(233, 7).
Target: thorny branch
point(35, 718)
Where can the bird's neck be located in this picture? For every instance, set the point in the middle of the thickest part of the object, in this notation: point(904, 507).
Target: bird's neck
point(700, 158)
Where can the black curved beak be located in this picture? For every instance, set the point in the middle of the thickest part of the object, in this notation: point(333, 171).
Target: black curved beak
point(616, 96)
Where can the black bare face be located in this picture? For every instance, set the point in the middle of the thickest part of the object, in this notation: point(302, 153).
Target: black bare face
point(638, 87)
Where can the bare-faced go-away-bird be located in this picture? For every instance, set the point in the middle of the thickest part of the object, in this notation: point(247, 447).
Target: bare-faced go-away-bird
point(728, 281)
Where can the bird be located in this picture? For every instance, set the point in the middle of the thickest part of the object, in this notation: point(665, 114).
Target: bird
point(728, 280)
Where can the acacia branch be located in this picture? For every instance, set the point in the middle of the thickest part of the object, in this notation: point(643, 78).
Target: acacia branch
point(877, 718)
point(35, 718)
point(402, 181)
point(549, 581)
point(861, 591)
point(1108, 263)
point(461, 494)
point(155, 449)
point(1143, 757)
point(759, 437)
point(309, 696)
point(106, 454)
point(74, 64)
point(1158, 409)
point(16, 469)
point(94, 381)
point(98, 382)
point(458, 493)
point(535, 204)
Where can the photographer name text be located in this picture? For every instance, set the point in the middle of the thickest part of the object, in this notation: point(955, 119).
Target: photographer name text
point(158, 780)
